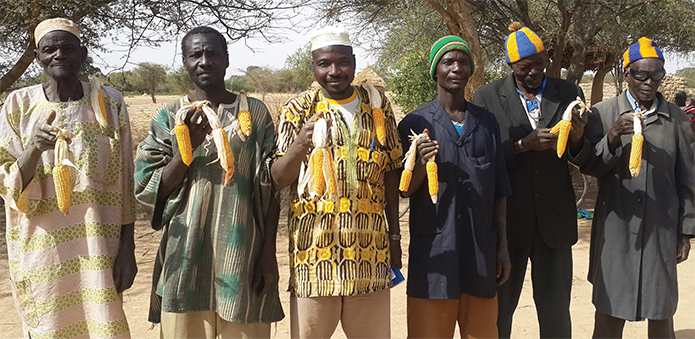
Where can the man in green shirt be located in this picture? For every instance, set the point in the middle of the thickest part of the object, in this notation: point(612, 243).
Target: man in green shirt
point(216, 271)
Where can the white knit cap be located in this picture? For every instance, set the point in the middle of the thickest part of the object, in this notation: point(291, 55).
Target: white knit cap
point(330, 36)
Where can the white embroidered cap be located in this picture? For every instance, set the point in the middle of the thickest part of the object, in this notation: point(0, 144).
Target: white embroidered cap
point(330, 36)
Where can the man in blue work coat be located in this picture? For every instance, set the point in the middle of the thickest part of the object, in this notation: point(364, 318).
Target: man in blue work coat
point(458, 246)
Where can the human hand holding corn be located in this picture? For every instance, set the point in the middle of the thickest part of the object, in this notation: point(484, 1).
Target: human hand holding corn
point(422, 145)
point(565, 126)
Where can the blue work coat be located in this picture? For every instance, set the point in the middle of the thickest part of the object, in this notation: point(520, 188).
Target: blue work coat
point(453, 244)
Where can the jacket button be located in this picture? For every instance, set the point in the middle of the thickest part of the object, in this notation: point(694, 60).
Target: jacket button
point(536, 195)
point(639, 200)
point(460, 179)
point(536, 171)
point(458, 144)
point(458, 216)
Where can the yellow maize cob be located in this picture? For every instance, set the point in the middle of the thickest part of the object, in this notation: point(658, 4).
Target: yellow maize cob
point(62, 181)
point(224, 153)
point(244, 118)
point(378, 116)
point(63, 187)
point(563, 129)
point(102, 105)
point(432, 179)
point(183, 138)
point(635, 163)
point(330, 181)
point(406, 175)
point(317, 163)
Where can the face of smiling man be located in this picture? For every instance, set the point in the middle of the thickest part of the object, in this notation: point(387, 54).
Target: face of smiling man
point(334, 69)
point(61, 55)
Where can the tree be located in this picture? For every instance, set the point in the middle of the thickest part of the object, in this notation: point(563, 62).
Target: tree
point(181, 81)
point(122, 81)
point(142, 22)
point(689, 74)
point(578, 35)
point(298, 64)
point(261, 78)
point(147, 77)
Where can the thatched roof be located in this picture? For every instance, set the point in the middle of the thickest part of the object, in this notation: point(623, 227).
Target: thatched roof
point(368, 75)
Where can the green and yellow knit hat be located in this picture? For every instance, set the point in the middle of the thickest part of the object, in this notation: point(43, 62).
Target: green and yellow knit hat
point(445, 44)
point(521, 43)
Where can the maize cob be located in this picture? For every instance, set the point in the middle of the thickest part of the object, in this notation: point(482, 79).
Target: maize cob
point(63, 181)
point(219, 136)
point(317, 163)
point(406, 176)
point(183, 135)
point(329, 173)
point(409, 160)
point(96, 98)
point(635, 163)
point(183, 138)
point(432, 179)
point(377, 112)
point(244, 116)
point(564, 126)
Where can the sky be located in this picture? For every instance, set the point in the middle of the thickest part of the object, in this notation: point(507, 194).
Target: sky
point(260, 53)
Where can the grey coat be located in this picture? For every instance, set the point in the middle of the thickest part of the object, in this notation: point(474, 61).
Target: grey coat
point(636, 222)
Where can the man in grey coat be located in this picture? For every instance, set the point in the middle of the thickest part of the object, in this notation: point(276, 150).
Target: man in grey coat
point(643, 221)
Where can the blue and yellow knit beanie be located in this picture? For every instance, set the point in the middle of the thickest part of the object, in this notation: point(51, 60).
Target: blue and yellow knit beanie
point(444, 45)
point(643, 48)
point(521, 43)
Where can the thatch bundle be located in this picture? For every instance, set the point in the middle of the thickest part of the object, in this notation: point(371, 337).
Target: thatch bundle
point(368, 75)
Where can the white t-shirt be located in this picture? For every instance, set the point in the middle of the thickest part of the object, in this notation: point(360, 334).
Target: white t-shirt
point(347, 108)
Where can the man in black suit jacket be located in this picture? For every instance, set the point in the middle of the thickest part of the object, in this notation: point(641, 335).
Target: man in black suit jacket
point(541, 212)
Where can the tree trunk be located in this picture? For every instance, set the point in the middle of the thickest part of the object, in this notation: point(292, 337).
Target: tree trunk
point(597, 84)
point(18, 69)
point(555, 67)
point(154, 100)
point(466, 27)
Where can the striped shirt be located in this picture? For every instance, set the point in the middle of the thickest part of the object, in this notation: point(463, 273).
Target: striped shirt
point(339, 247)
point(61, 265)
point(213, 233)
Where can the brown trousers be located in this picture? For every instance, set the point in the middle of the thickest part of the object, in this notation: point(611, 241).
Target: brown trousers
point(208, 325)
point(361, 316)
point(437, 318)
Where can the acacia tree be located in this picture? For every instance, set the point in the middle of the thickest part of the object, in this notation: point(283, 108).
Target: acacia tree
point(147, 77)
point(141, 22)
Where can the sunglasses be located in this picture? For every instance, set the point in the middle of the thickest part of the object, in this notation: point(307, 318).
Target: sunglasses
point(641, 75)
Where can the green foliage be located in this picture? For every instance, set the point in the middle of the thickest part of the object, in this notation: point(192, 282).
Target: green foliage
point(180, 82)
point(122, 81)
point(238, 82)
point(298, 67)
point(689, 75)
point(148, 77)
point(411, 82)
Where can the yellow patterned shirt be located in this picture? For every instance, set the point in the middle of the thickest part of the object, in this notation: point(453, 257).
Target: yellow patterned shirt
point(339, 246)
point(61, 265)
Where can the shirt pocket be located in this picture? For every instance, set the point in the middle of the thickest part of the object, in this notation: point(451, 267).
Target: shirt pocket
point(24, 298)
point(103, 156)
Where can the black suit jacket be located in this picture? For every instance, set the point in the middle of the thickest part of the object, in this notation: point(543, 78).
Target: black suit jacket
point(542, 190)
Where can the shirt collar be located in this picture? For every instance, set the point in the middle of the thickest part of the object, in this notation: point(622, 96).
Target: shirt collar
point(635, 105)
point(531, 105)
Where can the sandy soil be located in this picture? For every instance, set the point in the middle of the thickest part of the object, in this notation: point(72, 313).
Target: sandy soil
point(525, 323)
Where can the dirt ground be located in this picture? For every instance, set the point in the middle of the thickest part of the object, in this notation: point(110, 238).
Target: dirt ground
point(136, 299)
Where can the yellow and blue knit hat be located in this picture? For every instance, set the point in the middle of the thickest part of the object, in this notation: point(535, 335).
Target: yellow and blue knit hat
point(521, 43)
point(444, 45)
point(643, 48)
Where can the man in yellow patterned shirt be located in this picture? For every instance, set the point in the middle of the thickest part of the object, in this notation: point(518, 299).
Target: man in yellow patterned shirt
point(342, 248)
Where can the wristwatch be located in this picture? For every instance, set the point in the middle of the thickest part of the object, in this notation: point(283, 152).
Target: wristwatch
point(520, 144)
point(394, 237)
